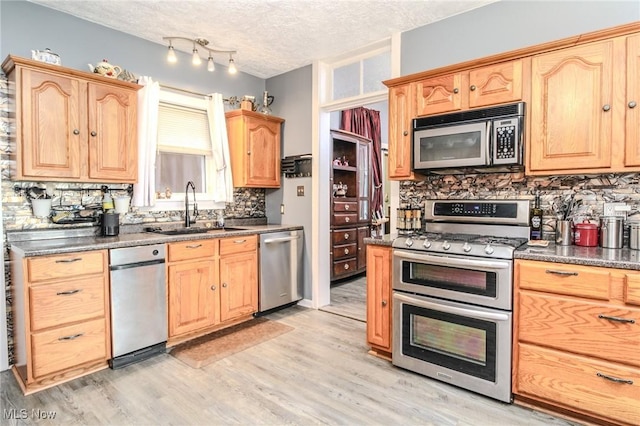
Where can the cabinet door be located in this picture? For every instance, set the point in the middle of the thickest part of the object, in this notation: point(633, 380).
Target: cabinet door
point(401, 112)
point(52, 124)
point(439, 94)
point(379, 296)
point(363, 232)
point(239, 285)
point(571, 120)
point(113, 144)
point(263, 153)
point(495, 84)
point(632, 137)
point(364, 182)
point(193, 296)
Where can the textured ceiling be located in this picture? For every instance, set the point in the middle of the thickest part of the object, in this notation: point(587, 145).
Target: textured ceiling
point(271, 36)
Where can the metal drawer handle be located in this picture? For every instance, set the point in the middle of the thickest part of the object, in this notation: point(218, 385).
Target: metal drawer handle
point(195, 246)
point(68, 292)
point(346, 219)
point(632, 104)
point(346, 207)
point(75, 259)
point(346, 251)
point(239, 241)
point(346, 236)
point(346, 266)
point(615, 379)
point(72, 337)
point(618, 319)
point(567, 273)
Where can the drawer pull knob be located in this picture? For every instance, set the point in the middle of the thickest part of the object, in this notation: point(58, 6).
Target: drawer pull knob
point(346, 266)
point(473, 88)
point(240, 241)
point(346, 219)
point(346, 251)
point(384, 303)
point(567, 273)
point(606, 107)
point(76, 131)
point(346, 236)
point(632, 104)
point(213, 287)
point(617, 319)
point(72, 337)
point(68, 292)
point(194, 246)
point(75, 259)
point(224, 285)
point(405, 133)
point(94, 134)
point(615, 379)
point(346, 207)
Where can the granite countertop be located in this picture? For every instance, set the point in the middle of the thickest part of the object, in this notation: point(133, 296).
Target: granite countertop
point(40, 243)
point(622, 258)
point(383, 240)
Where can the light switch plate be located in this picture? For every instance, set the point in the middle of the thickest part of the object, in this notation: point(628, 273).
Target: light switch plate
point(300, 191)
point(616, 209)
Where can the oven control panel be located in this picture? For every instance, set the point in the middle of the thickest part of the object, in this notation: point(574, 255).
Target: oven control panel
point(481, 211)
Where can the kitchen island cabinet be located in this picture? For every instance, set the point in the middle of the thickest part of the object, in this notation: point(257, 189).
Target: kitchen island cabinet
point(62, 319)
point(379, 298)
point(576, 339)
point(73, 126)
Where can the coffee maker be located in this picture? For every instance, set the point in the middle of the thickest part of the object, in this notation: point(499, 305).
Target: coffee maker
point(110, 224)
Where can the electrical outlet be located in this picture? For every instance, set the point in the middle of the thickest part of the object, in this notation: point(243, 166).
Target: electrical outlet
point(616, 209)
point(281, 208)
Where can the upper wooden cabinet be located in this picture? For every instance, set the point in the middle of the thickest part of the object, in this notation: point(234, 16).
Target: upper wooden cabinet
point(71, 125)
point(632, 99)
point(401, 113)
point(490, 85)
point(254, 146)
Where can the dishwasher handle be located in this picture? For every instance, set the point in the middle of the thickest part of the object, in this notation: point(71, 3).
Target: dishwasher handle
point(136, 265)
point(281, 240)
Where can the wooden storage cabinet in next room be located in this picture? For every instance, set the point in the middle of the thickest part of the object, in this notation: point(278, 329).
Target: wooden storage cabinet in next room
point(73, 126)
point(350, 202)
point(576, 339)
point(61, 316)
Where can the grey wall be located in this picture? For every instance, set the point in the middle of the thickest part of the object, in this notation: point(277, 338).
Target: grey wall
point(27, 26)
point(507, 25)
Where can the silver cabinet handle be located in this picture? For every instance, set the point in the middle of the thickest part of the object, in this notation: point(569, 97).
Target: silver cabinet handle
point(615, 379)
point(76, 131)
point(606, 107)
point(72, 337)
point(566, 273)
point(281, 240)
point(75, 259)
point(93, 133)
point(68, 292)
point(617, 319)
point(632, 104)
point(239, 241)
point(194, 246)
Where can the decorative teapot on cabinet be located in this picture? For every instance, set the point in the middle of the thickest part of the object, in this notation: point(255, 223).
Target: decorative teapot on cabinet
point(106, 69)
point(46, 56)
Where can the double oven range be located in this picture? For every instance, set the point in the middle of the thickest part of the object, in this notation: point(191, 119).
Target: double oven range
point(453, 293)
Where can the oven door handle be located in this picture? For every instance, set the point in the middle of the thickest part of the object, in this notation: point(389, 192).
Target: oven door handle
point(471, 313)
point(450, 261)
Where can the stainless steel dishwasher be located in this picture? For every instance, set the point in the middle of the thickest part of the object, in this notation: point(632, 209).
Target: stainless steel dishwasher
point(281, 269)
point(138, 304)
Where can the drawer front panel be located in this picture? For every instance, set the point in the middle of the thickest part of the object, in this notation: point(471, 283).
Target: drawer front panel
point(65, 265)
point(632, 289)
point(345, 206)
point(344, 236)
point(345, 218)
point(239, 244)
point(62, 303)
point(604, 331)
point(580, 383)
point(346, 250)
point(344, 267)
point(66, 347)
point(187, 250)
point(573, 280)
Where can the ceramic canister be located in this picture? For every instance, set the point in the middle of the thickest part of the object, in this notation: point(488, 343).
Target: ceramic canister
point(586, 234)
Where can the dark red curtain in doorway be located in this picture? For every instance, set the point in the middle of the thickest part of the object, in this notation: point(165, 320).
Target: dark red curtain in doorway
point(366, 122)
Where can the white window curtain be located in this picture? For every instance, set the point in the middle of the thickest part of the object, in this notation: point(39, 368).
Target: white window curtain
point(148, 103)
point(223, 184)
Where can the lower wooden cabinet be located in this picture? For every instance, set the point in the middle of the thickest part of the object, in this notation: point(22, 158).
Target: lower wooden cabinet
point(61, 317)
point(379, 299)
point(212, 283)
point(576, 340)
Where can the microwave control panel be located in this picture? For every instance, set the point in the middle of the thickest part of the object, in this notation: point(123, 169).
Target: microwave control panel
point(506, 141)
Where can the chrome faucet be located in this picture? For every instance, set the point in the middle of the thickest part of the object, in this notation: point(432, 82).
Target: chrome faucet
point(187, 219)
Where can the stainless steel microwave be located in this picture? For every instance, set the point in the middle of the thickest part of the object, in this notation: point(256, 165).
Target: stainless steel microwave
point(476, 138)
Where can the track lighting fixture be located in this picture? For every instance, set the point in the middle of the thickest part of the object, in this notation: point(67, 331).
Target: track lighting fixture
point(202, 43)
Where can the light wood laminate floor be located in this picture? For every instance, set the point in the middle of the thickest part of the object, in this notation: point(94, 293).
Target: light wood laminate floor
point(349, 298)
point(319, 373)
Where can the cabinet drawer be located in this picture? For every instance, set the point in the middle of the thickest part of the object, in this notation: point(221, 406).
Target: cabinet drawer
point(343, 236)
point(62, 303)
point(573, 280)
point(191, 250)
point(345, 206)
point(65, 265)
point(239, 244)
point(66, 347)
point(603, 331)
point(577, 382)
point(344, 267)
point(346, 250)
point(345, 218)
point(632, 289)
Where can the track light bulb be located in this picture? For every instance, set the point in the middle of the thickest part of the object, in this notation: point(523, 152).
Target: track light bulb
point(195, 60)
point(171, 55)
point(232, 66)
point(210, 65)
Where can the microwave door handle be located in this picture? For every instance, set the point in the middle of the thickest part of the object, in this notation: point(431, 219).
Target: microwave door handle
point(488, 144)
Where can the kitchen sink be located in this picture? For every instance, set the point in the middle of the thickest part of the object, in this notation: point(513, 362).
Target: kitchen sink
point(187, 231)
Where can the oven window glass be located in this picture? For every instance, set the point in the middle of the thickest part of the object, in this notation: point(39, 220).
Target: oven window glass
point(449, 278)
point(452, 341)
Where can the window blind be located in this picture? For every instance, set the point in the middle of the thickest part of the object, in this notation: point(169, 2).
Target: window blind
point(183, 129)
